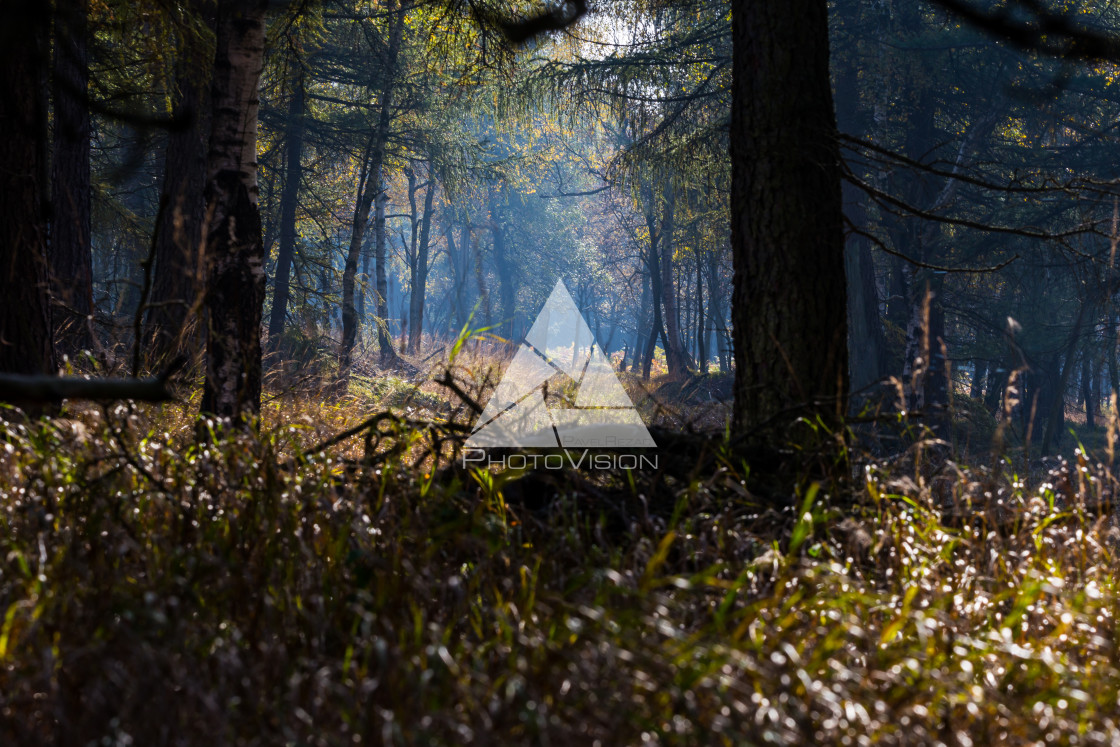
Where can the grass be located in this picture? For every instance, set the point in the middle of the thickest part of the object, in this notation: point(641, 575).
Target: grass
point(158, 588)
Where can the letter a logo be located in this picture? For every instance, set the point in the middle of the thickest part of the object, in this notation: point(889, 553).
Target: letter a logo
point(560, 342)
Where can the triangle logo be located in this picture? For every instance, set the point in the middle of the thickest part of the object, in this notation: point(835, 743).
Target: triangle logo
point(560, 343)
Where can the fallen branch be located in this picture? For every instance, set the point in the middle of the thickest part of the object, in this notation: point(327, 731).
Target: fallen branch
point(448, 381)
point(22, 388)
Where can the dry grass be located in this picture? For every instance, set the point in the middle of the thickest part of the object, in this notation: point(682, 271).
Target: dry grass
point(160, 589)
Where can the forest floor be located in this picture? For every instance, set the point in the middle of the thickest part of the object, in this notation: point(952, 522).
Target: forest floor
point(162, 586)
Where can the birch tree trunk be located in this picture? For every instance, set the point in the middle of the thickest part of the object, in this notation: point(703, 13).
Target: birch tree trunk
point(235, 293)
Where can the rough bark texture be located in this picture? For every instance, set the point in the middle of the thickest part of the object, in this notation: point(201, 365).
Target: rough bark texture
point(789, 310)
point(25, 328)
point(71, 262)
point(235, 293)
point(289, 202)
point(177, 274)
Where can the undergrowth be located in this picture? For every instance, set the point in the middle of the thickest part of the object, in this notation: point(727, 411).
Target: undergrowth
point(158, 586)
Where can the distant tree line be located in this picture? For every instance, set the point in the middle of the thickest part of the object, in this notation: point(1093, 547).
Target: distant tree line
point(817, 197)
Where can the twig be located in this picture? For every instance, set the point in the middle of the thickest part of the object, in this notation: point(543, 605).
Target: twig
point(449, 382)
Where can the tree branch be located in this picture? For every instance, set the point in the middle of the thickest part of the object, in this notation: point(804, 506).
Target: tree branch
point(44, 389)
point(1042, 31)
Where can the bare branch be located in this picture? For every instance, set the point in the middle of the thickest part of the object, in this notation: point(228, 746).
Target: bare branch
point(45, 389)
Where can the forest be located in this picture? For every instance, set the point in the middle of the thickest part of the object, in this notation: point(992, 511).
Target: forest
point(559, 372)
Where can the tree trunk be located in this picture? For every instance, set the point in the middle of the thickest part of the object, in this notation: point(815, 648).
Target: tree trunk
point(387, 352)
point(1095, 384)
point(25, 344)
point(289, 203)
point(483, 289)
point(462, 268)
point(1087, 389)
point(997, 381)
point(454, 301)
point(71, 262)
point(506, 289)
point(235, 293)
point(676, 356)
point(979, 373)
point(789, 309)
point(653, 261)
point(898, 298)
point(1111, 350)
point(178, 273)
point(368, 191)
point(925, 374)
point(866, 344)
point(927, 304)
point(715, 312)
point(1056, 419)
point(420, 271)
point(641, 323)
point(866, 347)
point(701, 319)
point(362, 289)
